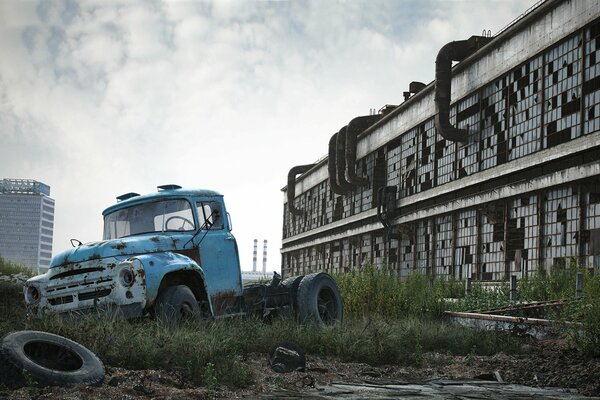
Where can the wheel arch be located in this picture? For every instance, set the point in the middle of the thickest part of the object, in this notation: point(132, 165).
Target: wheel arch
point(166, 269)
point(191, 279)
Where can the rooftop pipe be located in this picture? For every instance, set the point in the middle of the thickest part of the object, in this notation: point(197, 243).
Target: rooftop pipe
point(291, 187)
point(453, 51)
point(354, 128)
point(341, 162)
point(332, 167)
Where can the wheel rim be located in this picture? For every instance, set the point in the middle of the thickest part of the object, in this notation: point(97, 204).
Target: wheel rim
point(326, 305)
point(52, 356)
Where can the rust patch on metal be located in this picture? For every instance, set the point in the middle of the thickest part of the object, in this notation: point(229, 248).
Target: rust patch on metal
point(119, 246)
point(142, 274)
point(224, 302)
point(95, 256)
point(151, 263)
point(155, 239)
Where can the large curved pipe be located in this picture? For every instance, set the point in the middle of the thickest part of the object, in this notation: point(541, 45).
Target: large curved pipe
point(453, 51)
point(332, 165)
point(291, 187)
point(340, 161)
point(355, 128)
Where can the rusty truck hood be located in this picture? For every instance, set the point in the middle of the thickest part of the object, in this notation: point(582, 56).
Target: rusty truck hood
point(127, 246)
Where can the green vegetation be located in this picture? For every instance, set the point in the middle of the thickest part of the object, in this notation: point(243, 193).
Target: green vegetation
point(8, 268)
point(387, 321)
point(210, 353)
point(371, 291)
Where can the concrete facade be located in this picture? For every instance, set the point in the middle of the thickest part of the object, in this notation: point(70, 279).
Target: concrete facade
point(26, 223)
point(521, 195)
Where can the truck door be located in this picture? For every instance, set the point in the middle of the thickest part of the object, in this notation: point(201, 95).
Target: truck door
point(219, 259)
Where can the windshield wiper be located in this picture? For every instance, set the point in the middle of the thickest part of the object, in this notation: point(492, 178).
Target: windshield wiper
point(205, 226)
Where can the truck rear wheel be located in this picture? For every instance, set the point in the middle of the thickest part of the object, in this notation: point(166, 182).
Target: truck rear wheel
point(319, 300)
point(177, 303)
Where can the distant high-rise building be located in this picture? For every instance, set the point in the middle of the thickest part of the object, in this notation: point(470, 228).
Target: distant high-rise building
point(26, 222)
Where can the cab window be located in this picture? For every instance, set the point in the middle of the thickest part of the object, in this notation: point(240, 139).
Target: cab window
point(209, 215)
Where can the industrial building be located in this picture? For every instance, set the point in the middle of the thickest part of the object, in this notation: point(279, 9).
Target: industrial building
point(491, 170)
point(26, 223)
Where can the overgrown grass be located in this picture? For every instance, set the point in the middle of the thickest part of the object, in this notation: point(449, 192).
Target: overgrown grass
point(387, 321)
point(373, 291)
point(216, 351)
point(10, 269)
point(12, 277)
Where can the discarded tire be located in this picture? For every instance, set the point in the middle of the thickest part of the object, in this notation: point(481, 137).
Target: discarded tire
point(177, 303)
point(319, 300)
point(287, 357)
point(45, 359)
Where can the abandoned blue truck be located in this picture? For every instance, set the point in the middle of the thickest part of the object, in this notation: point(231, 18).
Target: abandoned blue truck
point(171, 254)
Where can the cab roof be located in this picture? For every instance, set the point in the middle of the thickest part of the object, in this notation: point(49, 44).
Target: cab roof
point(165, 191)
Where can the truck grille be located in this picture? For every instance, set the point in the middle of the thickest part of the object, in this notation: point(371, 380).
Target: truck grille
point(74, 284)
point(96, 294)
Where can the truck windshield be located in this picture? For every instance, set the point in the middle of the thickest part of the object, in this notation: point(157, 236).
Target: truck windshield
point(160, 216)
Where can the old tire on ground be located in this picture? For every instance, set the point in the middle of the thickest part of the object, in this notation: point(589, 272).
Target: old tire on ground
point(177, 303)
point(319, 300)
point(49, 360)
point(292, 284)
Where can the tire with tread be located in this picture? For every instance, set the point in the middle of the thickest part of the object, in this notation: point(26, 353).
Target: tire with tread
point(48, 359)
point(319, 300)
point(177, 303)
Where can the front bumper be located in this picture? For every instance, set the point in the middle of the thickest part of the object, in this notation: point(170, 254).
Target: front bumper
point(86, 286)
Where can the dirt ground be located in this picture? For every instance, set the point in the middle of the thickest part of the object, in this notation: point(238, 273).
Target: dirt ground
point(544, 364)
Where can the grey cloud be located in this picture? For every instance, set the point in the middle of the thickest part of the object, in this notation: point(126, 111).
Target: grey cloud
point(56, 39)
point(70, 11)
point(29, 37)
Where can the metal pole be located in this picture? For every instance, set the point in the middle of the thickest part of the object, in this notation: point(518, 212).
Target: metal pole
point(513, 288)
point(468, 285)
point(254, 257)
point(579, 285)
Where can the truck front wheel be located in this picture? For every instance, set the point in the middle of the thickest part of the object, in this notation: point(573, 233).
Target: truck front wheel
point(177, 303)
point(319, 300)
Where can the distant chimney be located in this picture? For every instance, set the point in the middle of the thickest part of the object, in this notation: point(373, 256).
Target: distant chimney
point(255, 255)
point(265, 257)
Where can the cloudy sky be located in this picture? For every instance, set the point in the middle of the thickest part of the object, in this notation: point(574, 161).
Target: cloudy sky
point(100, 98)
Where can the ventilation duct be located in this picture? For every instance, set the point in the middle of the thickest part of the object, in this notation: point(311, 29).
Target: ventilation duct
point(413, 88)
point(332, 167)
point(355, 128)
point(291, 187)
point(453, 51)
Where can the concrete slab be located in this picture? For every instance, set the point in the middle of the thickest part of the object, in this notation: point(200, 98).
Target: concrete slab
point(437, 389)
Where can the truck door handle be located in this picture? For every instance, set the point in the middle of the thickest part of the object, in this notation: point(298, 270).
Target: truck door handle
point(228, 237)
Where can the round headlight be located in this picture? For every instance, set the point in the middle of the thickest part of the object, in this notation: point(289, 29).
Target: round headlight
point(126, 277)
point(32, 294)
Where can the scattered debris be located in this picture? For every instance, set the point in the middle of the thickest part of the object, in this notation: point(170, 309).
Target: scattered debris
point(287, 357)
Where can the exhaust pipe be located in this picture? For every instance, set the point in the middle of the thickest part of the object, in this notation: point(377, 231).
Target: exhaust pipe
point(453, 51)
point(291, 187)
point(355, 128)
